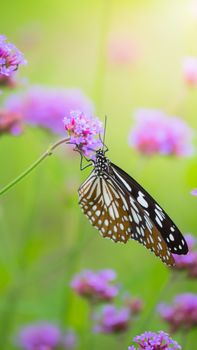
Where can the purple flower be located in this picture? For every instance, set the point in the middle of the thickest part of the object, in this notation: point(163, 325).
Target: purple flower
point(184, 261)
point(10, 123)
point(182, 314)
point(69, 340)
point(135, 305)
point(46, 107)
point(188, 262)
point(154, 341)
point(122, 49)
point(194, 192)
point(112, 320)
point(43, 336)
point(156, 133)
point(83, 131)
point(10, 58)
point(95, 286)
point(190, 70)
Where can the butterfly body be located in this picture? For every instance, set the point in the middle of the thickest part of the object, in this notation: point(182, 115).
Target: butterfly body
point(121, 209)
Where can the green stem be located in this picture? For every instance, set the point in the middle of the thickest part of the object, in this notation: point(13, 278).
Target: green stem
point(49, 152)
point(184, 340)
point(165, 288)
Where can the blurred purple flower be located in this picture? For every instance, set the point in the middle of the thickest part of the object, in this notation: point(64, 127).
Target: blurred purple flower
point(122, 50)
point(10, 58)
point(135, 305)
point(188, 262)
point(112, 320)
point(194, 192)
point(46, 107)
point(190, 70)
point(154, 341)
point(83, 131)
point(95, 286)
point(155, 133)
point(43, 336)
point(183, 262)
point(10, 123)
point(182, 314)
point(69, 340)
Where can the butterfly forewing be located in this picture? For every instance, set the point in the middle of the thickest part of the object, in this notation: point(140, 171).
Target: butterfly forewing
point(169, 231)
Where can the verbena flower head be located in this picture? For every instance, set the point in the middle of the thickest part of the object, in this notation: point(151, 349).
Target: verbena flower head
point(46, 107)
point(43, 336)
point(10, 58)
point(111, 320)
point(10, 123)
point(95, 286)
point(135, 305)
point(157, 133)
point(182, 313)
point(83, 130)
point(122, 49)
point(188, 263)
point(183, 262)
point(190, 70)
point(154, 341)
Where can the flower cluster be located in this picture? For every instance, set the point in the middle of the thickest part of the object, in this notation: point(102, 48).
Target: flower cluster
point(154, 341)
point(182, 314)
point(98, 288)
point(83, 131)
point(10, 123)
point(188, 262)
point(134, 304)
point(157, 133)
point(10, 58)
point(45, 336)
point(95, 286)
point(112, 320)
point(46, 107)
point(190, 70)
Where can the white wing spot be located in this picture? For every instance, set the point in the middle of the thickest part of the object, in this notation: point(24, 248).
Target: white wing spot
point(106, 222)
point(171, 237)
point(98, 212)
point(141, 199)
point(122, 227)
point(158, 221)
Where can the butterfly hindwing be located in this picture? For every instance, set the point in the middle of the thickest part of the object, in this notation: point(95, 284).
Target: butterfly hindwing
point(105, 208)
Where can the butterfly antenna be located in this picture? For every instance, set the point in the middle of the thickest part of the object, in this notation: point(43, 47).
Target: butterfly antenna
point(103, 141)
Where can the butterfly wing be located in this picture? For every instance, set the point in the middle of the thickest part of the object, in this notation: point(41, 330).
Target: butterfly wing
point(168, 230)
point(110, 208)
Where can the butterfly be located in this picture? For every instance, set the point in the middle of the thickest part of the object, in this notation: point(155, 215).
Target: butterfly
point(121, 210)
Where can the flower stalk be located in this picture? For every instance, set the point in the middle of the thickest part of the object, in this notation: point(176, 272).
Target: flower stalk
point(47, 153)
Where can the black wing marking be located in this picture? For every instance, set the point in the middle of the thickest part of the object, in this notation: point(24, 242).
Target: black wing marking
point(168, 230)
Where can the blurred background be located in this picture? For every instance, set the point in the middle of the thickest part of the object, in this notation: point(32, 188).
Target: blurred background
point(123, 56)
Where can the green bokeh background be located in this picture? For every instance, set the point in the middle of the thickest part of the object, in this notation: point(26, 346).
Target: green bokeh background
point(44, 237)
